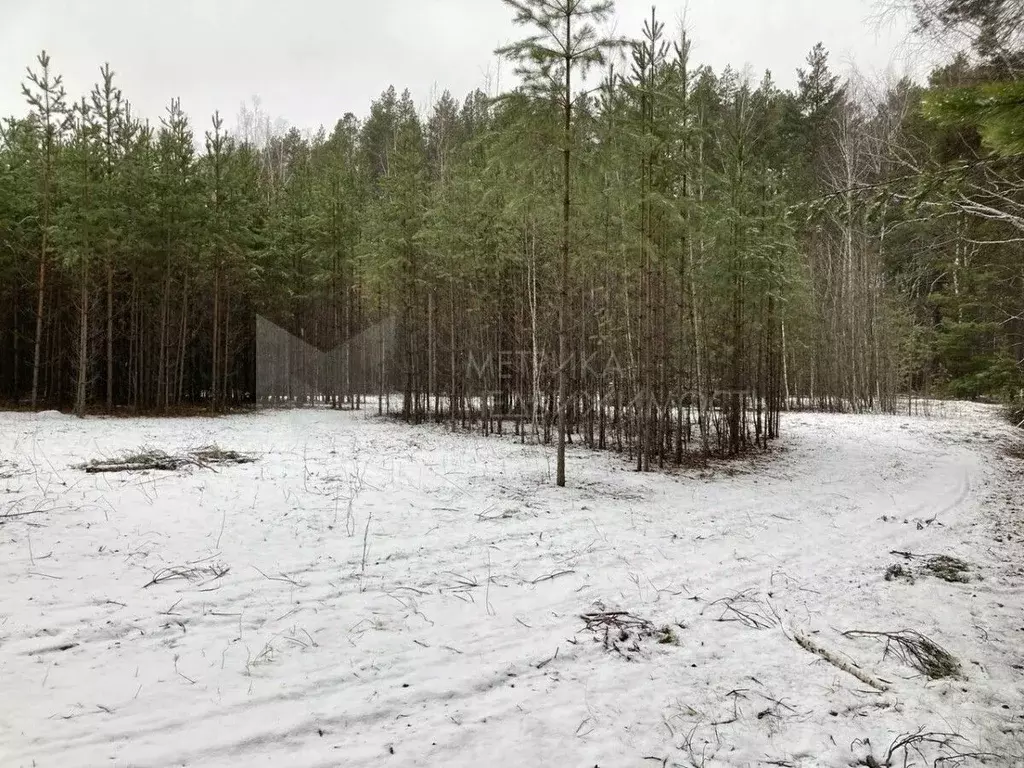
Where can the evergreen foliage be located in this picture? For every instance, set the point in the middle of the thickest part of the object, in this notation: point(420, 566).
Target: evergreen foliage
point(658, 265)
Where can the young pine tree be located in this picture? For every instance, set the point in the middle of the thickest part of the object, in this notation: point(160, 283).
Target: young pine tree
point(76, 227)
point(564, 42)
point(110, 115)
point(45, 93)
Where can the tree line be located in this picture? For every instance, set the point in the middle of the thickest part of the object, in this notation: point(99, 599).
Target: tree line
point(628, 250)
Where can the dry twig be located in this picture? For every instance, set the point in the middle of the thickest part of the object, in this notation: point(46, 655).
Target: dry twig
point(622, 632)
point(750, 610)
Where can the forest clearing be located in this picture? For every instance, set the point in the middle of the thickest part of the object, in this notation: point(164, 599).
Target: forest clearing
point(649, 396)
point(330, 588)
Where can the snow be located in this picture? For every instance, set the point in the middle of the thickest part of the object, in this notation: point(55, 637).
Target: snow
point(401, 596)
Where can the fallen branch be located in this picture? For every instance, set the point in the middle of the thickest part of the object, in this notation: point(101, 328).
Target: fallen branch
point(15, 515)
point(53, 649)
point(901, 553)
point(809, 645)
point(148, 460)
point(281, 577)
point(944, 743)
point(542, 664)
point(156, 459)
point(551, 576)
point(188, 574)
point(366, 542)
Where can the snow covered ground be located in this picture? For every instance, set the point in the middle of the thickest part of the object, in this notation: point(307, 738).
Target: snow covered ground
point(368, 594)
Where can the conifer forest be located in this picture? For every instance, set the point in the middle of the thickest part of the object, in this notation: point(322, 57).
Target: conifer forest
point(626, 249)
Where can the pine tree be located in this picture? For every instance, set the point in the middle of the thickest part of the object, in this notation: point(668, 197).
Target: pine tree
point(110, 115)
point(565, 42)
point(650, 56)
point(19, 141)
point(179, 243)
point(337, 201)
point(995, 109)
point(45, 93)
point(76, 229)
point(995, 28)
point(219, 149)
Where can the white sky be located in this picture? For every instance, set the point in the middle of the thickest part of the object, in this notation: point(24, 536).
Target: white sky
point(310, 61)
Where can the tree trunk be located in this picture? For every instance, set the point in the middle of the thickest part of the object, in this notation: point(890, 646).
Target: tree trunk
point(40, 306)
point(110, 336)
point(563, 278)
point(215, 344)
point(83, 341)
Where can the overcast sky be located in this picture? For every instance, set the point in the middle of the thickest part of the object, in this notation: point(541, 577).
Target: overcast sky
point(310, 61)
